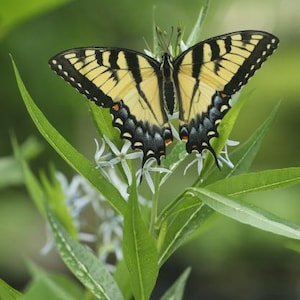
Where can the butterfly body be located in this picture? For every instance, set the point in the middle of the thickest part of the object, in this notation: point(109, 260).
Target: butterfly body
point(142, 92)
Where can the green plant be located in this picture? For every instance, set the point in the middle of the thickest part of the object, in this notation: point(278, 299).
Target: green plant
point(150, 235)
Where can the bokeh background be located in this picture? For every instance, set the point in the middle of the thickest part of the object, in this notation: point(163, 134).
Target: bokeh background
point(229, 260)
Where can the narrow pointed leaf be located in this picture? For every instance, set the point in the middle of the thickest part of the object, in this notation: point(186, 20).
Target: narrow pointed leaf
point(180, 228)
point(75, 159)
point(11, 17)
point(247, 213)
point(173, 160)
point(84, 264)
point(139, 250)
point(186, 219)
point(244, 155)
point(175, 292)
point(55, 286)
point(7, 292)
point(122, 278)
point(256, 181)
point(195, 34)
point(32, 184)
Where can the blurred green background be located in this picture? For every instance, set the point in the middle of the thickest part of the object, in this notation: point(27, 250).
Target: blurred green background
point(230, 260)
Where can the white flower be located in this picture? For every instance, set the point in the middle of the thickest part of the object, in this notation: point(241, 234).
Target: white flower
point(122, 156)
point(80, 195)
point(145, 172)
point(198, 160)
point(225, 159)
point(109, 160)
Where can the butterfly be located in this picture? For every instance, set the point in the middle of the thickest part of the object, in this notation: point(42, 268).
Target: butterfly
point(143, 92)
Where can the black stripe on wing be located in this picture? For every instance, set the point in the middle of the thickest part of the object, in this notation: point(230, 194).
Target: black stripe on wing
point(128, 83)
point(64, 68)
point(266, 45)
point(214, 70)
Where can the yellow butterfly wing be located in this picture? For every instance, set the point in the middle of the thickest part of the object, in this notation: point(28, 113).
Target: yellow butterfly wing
point(207, 74)
point(127, 82)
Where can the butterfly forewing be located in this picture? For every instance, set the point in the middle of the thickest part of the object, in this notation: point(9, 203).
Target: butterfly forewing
point(129, 84)
point(207, 74)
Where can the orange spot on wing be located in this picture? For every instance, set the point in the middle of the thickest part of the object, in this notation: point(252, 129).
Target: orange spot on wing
point(116, 107)
point(168, 141)
point(223, 95)
point(184, 138)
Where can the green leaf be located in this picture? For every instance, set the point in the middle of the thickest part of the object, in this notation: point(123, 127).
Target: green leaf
point(175, 292)
point(224, 130)
point(178, 229)
point(156, 46)
point(84, 264)
point(50, 193)
point(55, 286)
point(244, 155)
point(32, 184)
point(256, 181)
point(187, 217)
point(75, 159)
point(103, 122)
point(122, 278)
point(7, 292)
point(194, 37)
point(173, 160)
point(247, 213)
point(12, 15)
point(293, 245)
point(139, 250)
point(56, 199)
point(11, 173)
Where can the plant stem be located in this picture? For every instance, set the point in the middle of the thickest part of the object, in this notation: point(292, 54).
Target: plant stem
point(154, 203)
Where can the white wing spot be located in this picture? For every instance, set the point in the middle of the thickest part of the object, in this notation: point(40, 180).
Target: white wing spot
point(119, 121)
point(127, 135)
point(149, 152)
point(138, 144)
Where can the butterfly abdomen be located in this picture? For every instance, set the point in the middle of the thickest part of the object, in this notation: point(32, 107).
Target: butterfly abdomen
point(167, 70)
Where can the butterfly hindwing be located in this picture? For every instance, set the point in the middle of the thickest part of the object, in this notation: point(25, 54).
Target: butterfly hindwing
point(208, 74)
point(129, 84)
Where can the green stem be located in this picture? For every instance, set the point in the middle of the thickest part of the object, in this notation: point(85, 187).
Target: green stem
point(154, 203)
